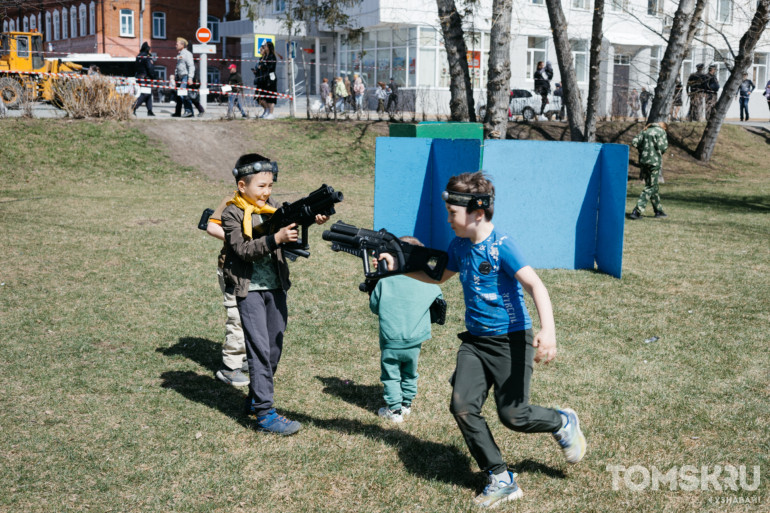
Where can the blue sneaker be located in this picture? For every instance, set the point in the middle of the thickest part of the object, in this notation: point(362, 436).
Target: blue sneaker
point(278, 424)
point(498, 491)
point(571, 439)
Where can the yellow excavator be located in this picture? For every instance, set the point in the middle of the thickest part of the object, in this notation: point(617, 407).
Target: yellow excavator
point(25, 73)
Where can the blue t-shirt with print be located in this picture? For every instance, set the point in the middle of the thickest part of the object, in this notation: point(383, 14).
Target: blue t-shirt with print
point(494, 300)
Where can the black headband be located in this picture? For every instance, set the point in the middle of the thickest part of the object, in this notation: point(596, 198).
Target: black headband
point(469, 200)
point(257, 167)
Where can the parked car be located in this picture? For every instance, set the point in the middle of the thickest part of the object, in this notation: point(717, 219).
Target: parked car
point(527, 105)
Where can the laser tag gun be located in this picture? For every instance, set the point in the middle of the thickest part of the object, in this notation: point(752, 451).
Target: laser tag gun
point(302, 212)
point(365, 244)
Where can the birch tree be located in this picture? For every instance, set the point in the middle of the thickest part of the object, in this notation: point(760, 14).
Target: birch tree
point(686, 19)
point(499, 70)
point(461, 104)
point(741, 63)
point(571, 94)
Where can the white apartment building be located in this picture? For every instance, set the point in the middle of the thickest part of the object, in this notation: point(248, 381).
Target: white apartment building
point(402, 39)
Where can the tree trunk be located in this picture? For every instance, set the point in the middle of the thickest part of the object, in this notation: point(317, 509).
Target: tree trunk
point(686, 21)
point(594, 77)
point(461, 106)
point(571, 92)
point(743, 60)
point(499, 70)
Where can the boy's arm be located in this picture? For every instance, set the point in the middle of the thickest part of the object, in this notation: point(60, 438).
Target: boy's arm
point(251, 249)
point(545, 339)
point(417, 275)
point(663, 142)
point(215, 230)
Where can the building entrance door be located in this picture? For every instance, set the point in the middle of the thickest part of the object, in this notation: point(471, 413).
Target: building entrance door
point(620, 85)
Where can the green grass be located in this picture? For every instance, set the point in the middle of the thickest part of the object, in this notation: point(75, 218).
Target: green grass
point(111, 326)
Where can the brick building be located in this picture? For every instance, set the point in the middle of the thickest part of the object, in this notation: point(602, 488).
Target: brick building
point(118, 28)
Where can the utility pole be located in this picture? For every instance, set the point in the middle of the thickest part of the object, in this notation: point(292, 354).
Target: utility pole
point(203, 63)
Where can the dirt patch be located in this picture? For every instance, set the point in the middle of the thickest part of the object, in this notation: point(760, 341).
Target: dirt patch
point(207, 146)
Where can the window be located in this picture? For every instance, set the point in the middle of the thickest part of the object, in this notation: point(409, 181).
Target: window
point(687, 67)
point(580, 4)
point(622, 60)
point(11, 26)
point(536, 52)
point(580, 58)
point(73, 21)
point(56, 25)
point(25, 24)
point(92, 18)
point(83, 19)
point(64, 23)
point(160, 71)
point(725, 11)
point(159, 25)
point(126, 23)
point(279, 5)
point(213, 26)
point(654, 7)
point(759, 69)
point(22, 46)
point(5, 25)
point(33, 23)
point(655, 55)
point(48, 34)
point(618, 5)
point(537, 2)
point(212, 75)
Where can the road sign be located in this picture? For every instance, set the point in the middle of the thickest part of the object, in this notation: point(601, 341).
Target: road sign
point(204, 49)
point(259, 40)
point(203, 35)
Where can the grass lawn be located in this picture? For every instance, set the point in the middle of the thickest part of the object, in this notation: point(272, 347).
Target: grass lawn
point(111, 325)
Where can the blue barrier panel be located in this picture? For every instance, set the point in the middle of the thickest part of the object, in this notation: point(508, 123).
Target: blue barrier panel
point(563, 203)
point(410, 174)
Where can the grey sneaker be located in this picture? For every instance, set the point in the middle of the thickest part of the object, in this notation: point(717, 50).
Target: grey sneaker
point(497, 491)
point(570, 437)
point(245, 366)
point(235, 377)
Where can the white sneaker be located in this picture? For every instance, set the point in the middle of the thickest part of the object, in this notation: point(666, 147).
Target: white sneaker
point(406, 410)
point(542, 118)
point(570, 437)
point(269, 116)
point(387, 413)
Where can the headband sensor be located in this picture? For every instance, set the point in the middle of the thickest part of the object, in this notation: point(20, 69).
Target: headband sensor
point(257, 167)
point(469, 200)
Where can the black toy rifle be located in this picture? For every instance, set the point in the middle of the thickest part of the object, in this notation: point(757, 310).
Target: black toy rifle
point(365, 243)
point(409, 257)
point(302, 212)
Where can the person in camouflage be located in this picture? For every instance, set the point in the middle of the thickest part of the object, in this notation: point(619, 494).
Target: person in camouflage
point(652, 143)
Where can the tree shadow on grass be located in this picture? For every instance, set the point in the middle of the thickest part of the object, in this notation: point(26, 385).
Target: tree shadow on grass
point(744, 204)
point(203, 351)
point(367, 397)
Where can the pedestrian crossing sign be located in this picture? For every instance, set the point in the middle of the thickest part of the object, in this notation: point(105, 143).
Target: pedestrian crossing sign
point(259, 40)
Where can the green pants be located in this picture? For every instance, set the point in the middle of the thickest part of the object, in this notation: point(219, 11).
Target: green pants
point(399, 375)
point(650, 192)
point(505, 362)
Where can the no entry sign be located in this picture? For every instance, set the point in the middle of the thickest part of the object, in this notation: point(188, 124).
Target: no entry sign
point(203, 35)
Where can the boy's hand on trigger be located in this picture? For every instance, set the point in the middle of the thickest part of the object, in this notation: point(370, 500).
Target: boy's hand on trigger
point(319, 219)
point(545, 343)
point(287, 234)
point(390, 262)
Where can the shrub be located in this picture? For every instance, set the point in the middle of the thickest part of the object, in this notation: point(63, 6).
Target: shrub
point(94, 97)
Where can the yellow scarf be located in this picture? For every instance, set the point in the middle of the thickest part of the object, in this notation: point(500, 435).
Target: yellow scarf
point(249, 207)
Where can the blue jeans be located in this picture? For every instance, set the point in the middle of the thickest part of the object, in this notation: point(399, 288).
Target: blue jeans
point(186, 103)
point(233, 100)
point(744, 103)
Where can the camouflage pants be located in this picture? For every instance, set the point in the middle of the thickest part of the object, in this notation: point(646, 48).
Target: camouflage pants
point(650, 192)
point(711, 101)
point(697, 101)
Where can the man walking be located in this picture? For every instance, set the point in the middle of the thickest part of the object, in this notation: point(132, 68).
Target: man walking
point(184, 73)
point(744, 91)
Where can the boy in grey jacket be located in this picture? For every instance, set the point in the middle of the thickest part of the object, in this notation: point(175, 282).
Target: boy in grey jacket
point(256, 273)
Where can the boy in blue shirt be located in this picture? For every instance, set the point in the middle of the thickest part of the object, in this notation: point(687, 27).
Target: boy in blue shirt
point(499, 347)
point(403, 306)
